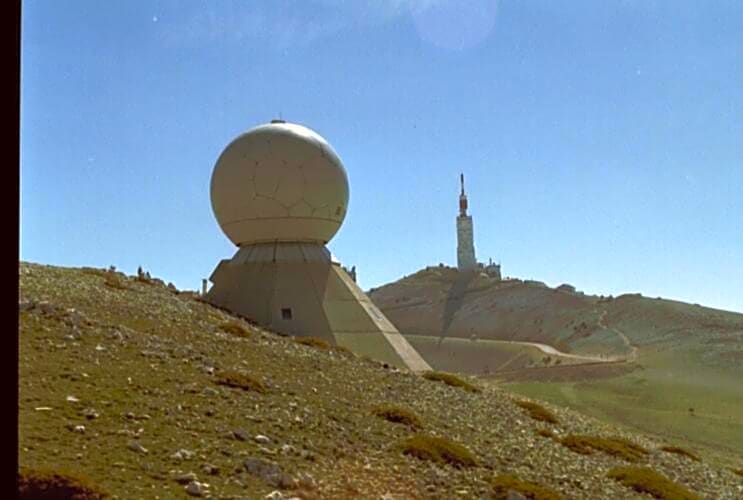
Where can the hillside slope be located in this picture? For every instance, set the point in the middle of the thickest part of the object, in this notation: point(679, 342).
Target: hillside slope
point(661, 366)
point(439, 301)
point(120, 381)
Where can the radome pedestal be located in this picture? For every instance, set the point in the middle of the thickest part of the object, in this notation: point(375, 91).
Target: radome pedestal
point(297, 289)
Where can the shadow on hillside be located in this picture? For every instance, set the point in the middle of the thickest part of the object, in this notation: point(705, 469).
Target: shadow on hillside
point(454, 300)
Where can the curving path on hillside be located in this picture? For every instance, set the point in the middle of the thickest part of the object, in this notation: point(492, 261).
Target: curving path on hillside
point(633, 351)
point(549, 350)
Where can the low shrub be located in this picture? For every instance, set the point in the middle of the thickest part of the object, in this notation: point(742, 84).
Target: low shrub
point(438, 449)
point(240, 380)
point(397, 415)
point(451, 380)
point(113, 280)
point(234, 328)
point(615, 446)
point(538, 412)
point(644, 480)
point(680, 451)
point(313, 342)
point(504, 484)
point(546, 433)
point(48, 484)
point(344, 350)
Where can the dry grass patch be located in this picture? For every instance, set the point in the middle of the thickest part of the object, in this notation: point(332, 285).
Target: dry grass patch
point(48, 484)
point(344, 350)
point(397, 415)
point(234, 328)
point(615, 446)
point(546, 433)
point(113, 280)
point(95, 271)
point(644, 480)
point(538, 412)
point(438, 449)
point(504, 484)
point(240, 380)
point(680, 451)
point(313, 342)
point(451, 380)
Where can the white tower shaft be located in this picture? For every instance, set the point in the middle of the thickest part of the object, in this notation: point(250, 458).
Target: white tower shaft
point(466, 260)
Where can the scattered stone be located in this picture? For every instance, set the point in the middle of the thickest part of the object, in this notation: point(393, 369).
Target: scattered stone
point(240, 435)
point(306, 481)
point(135, 446)
point(288, 449)
point(90, 413)
point(186, 478)
point(182, 454)
point(197, 489)
point(269, 472)
point(116, 335)
point(261, 439)
point(267, 451)
point(210, 469)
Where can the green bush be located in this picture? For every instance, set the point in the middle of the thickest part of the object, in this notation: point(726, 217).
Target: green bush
point(538, 412)
point(451, 380)
point(506, 483)
point(437, 449)
point(680, 451)
point(48, 484)
point(240, 380)
point(234, 328)
point(397, 415)
point(644, 480)
point(617, 447)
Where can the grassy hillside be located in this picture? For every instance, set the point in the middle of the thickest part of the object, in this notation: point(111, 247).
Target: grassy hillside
point(146, 392)
point(671, 356)
point(673, 395)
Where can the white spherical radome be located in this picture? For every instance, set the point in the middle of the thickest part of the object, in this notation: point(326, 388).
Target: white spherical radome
point(279, 182)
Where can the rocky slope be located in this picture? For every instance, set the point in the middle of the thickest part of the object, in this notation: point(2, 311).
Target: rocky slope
point(120, 381)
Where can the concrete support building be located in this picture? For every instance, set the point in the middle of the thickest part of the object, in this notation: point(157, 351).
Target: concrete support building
point(466, 260)
point(280, 192)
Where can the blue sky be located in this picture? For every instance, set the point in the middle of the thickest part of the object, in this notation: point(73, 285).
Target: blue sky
point(602, 142)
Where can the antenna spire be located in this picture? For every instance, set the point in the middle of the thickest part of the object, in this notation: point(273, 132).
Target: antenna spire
point(462, 197)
